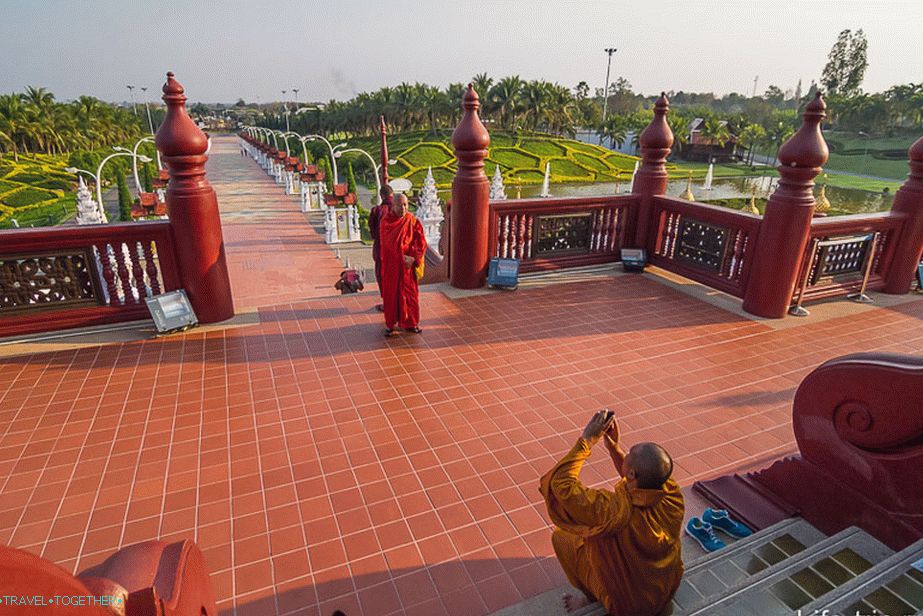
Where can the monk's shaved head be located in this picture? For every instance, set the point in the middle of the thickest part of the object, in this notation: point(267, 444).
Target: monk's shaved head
point(651, 463)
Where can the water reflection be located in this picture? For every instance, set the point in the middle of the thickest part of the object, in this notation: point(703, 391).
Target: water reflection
point(842, 200)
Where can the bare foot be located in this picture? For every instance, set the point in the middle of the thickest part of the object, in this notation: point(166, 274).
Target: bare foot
point(573, 603)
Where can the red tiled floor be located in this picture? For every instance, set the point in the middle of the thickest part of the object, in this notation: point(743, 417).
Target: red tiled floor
point(320, 466)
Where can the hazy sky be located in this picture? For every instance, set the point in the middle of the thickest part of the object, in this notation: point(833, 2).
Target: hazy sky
point(335, 48)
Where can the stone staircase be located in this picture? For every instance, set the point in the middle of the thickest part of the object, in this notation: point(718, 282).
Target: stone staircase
point(792, 566)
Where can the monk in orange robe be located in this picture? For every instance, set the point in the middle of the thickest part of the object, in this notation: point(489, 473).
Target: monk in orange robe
point(375, 216)
point(402, 248)
point(621, 546)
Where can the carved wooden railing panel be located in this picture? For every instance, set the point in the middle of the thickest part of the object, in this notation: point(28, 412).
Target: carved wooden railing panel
point(838, 270)
point(74, 276)
point(55, 278)
point(706, 243)
point(554, 233)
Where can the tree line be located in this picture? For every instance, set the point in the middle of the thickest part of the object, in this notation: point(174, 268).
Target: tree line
point(33, 121)
point(514, 104)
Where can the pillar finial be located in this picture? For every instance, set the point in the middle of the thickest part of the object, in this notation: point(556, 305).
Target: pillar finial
point(807, 148)
point(470, 136)
point(915, 154)
point(657, 134)
point(178, 135)
point(383, 129)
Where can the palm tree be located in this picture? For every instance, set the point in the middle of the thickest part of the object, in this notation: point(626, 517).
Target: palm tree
point(749, 136)
point(505, 97)
point(716, 130)
point(679, 126)
point(615, 129)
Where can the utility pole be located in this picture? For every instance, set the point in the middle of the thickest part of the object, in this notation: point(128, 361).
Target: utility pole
point(147, 106)
point(295, 90)
point(610, 51)
point(285, 111)
point(131, 95)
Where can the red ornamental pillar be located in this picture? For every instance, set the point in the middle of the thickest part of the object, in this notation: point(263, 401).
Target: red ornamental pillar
point(193, 210)
point(908, 201)
point(470, 199)
point(651, 179)
point(384, 149)
point(786, 225)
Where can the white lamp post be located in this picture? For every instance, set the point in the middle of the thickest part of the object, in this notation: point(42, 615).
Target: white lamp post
point(131, 95)
point(304, 148)
point(119, 151)
point(150, 124)
point(377, 168)
point(609, 51)
point(333, 156)
point(134, 160)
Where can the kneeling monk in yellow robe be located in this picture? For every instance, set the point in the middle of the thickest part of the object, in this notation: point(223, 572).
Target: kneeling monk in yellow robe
point(620, 547)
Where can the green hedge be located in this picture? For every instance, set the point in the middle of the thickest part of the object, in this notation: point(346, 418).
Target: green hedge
point(512, 159)
point(56, 184)
point(596, 164)
point(520, 157)
point(427, 154)
point(27, 177)
point(27, 196)
point(543, 148)
point(566, 168)
point(530, 176)
point(42, 215)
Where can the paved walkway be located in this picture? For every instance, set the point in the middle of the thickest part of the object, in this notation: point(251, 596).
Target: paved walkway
point(273, 254)
point(321, 466)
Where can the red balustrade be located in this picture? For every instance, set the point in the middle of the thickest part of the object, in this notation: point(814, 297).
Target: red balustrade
point(554, 233)
point(55, 278)
point(885, 229)
point(706, 243)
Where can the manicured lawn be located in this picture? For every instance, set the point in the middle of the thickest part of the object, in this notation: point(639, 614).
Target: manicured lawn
point(867, 165)
point(851, 181)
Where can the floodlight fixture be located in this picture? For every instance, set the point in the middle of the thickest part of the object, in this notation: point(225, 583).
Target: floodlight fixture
point(171, 312)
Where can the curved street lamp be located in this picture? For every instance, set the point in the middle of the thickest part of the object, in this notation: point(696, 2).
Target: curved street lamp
point(134, 160)
point(333, 156)
point(119, 151)
point(284, 136)
point(376, 167)
point(302, 140)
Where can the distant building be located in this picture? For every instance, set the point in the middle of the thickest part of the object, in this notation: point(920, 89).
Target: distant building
point(700, 147)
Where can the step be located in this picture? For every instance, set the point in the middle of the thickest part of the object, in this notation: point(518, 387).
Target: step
point(735, 565)
point(775, 591)
point(893, 586)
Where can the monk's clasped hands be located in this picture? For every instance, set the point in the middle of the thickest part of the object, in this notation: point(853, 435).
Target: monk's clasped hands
point(602, 422)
